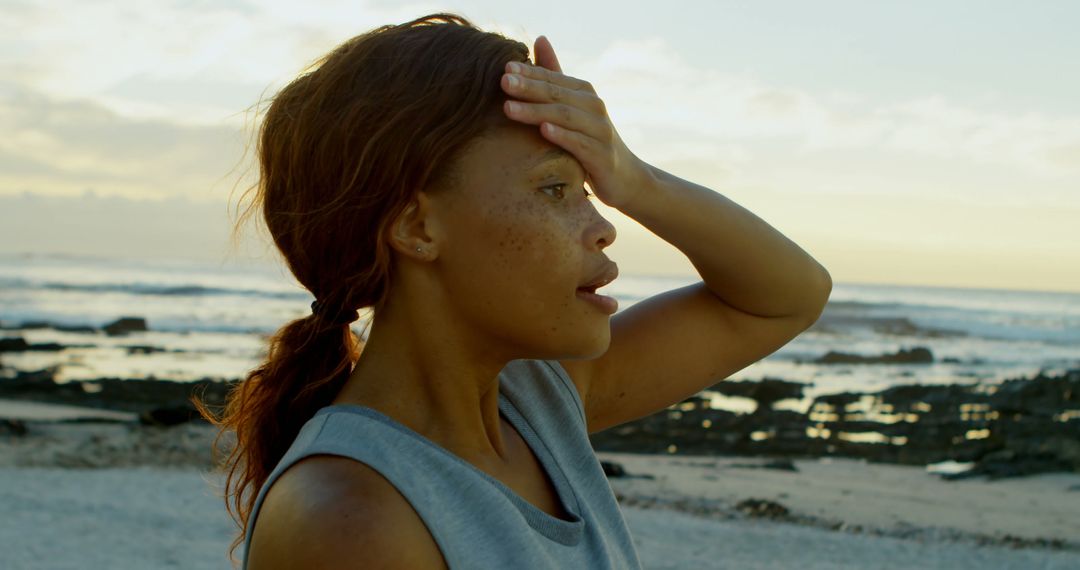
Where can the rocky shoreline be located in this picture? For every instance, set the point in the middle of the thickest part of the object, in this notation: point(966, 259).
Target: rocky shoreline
point(1019, 427)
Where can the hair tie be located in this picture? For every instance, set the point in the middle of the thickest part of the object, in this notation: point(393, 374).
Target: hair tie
point(339, 318)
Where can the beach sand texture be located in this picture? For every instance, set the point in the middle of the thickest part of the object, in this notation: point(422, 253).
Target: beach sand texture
point(153, 517)
point(119, 495)
point(883, 496)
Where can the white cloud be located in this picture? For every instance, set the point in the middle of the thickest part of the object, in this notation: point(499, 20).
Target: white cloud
point(64, 147)
point(937, 127)
point(650, 88)
point(148, 99)
point(123, 54)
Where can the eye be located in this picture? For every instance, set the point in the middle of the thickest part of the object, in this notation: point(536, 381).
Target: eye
point(559, 189)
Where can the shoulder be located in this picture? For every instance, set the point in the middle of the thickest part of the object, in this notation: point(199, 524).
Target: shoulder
point(560, 382)
point(328, 511)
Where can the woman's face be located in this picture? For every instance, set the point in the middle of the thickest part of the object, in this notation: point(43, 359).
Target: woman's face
point(520, 238)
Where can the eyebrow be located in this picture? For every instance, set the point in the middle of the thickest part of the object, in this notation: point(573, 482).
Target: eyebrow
point(554, 153)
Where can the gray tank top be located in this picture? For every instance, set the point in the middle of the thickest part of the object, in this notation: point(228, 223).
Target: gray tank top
point(476, 520)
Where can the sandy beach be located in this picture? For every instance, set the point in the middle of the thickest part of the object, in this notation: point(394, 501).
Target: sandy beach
point(120, 495)
point(152, 517)
point(853, 495)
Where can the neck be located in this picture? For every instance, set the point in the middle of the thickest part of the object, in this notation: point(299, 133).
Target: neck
point(428, 373)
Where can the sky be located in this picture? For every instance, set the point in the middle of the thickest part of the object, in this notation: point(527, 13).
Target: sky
point(915, 143)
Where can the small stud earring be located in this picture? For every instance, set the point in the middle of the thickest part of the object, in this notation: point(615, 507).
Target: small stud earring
point(417, 249)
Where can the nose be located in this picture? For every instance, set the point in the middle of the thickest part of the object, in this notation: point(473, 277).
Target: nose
point(601, 232)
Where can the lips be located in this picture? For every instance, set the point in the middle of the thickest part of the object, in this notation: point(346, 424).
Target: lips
point(606, 274)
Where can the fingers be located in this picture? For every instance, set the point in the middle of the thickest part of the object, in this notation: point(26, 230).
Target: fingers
point(566, 116)
point(568, 107)
point(536, 90)
point(556, 77)
point(545, 54)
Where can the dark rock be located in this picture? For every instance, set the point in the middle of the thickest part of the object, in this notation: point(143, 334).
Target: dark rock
point(917, 355)
point(781, 464)
point(125, 325)
point(169, 415)
point(896, 326)
point(766, 392)
point(35, 378)
point(33, 325)
point(904, 327)
point(18, 344)
point(13, 344)
point(612, 469)
point(762, 508)
point(905, 395)
point(1014, 467)
point(12, 427)
point(48, 347)
point(143, 349)
point(76, 328)
point(1019, 427)
point(129, 395)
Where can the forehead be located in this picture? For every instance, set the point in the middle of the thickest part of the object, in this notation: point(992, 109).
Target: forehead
point(515, 150)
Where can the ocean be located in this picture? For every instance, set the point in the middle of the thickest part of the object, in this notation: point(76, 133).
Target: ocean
point(210, 320)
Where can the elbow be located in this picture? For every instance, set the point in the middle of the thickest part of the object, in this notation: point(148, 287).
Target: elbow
point(826, 286)
point(824, 291)
point(818, 298)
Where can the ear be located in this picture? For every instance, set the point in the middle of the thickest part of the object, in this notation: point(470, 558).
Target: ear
point(416, 227)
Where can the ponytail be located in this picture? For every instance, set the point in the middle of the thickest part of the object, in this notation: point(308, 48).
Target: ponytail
point(306, 365)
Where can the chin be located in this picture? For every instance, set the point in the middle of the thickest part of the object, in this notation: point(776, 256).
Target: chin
point(586, 349)
point(597, 348)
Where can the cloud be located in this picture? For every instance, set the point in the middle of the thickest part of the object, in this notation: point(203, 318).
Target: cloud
point(935, 126)
point(219, 55)
point(158, 108)
point(62, 147)
point(1066, 156)
point(650, 88)
point(92, 224)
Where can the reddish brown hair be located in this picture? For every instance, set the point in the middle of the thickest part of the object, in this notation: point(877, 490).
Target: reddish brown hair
point(342, 150)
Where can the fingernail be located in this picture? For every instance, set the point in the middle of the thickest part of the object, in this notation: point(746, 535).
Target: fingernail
point(515, 67)
point(514, 106)
point(512, 80)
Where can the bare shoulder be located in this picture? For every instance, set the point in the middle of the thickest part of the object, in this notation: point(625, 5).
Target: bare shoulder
point(328, 511)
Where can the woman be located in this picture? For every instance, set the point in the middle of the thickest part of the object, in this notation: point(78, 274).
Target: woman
point(430, 172)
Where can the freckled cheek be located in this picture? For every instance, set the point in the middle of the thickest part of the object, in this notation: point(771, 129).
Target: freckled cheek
point(506, 252)
point(529, 247)
point(517, 251)
point(511, 228)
